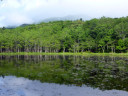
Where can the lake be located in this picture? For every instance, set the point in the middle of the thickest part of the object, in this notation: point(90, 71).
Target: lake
point(52, 75)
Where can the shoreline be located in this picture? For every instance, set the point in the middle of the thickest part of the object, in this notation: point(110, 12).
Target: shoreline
point(67, 53)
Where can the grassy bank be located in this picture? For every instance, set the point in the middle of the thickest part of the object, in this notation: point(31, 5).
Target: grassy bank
point(82, 54)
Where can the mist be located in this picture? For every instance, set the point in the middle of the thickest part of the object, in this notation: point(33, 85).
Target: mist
point(17, 12)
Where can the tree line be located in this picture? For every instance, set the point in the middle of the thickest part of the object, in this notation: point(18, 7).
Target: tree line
point(96, 35)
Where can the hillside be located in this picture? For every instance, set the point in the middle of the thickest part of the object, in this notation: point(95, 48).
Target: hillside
point(96, 35)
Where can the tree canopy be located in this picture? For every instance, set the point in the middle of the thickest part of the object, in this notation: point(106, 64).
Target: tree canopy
point(96, 35)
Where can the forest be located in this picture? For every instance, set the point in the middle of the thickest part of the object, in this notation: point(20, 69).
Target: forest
point(103, 35)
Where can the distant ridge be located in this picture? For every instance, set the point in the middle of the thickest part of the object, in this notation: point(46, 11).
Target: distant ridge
point(23, 25)
point(10, 27)
point(70, 17)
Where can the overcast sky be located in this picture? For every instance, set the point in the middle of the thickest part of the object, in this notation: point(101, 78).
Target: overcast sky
point(16, 12)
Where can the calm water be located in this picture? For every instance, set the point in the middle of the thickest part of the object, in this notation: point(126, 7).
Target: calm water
point(89, 74)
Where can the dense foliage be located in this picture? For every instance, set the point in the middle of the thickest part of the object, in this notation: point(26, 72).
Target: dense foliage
point(96, 35)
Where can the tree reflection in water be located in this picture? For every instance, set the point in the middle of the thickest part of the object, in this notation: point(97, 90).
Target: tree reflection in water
point(105, 73)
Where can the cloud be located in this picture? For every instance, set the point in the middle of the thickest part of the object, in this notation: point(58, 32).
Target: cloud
point(19, 18)
point(16, 12)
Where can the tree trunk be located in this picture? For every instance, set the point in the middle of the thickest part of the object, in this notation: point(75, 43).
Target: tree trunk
point(63, 50)
point(112, 49)
point(40, 49)
point(103, 49)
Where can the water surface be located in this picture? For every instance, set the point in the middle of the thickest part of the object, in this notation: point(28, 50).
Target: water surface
point(13, 86)
point(100, 73)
